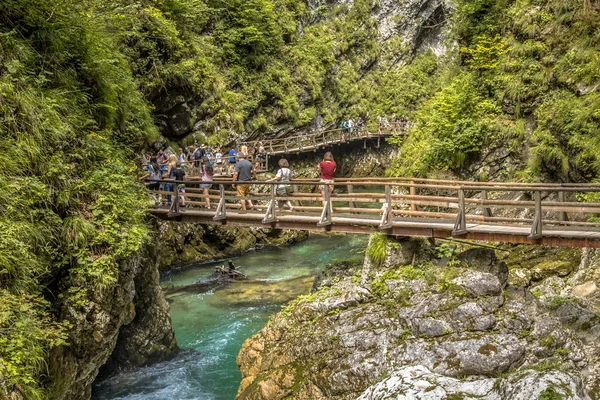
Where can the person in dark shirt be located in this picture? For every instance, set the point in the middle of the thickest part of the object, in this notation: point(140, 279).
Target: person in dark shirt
point(244, 172)
point(327, 170)
point(179, 175)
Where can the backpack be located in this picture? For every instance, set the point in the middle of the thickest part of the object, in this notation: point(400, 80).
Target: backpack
point(197, 154)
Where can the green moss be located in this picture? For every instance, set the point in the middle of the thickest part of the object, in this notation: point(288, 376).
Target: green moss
point(550, 393)
point(378, 247)
point(488, 349)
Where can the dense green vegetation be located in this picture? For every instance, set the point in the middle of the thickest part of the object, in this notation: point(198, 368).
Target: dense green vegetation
point(524, 79)
point(83, 83)
point(71, 210)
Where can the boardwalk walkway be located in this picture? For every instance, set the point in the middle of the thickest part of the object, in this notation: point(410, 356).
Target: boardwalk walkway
point(313, 141)
point(546, 214)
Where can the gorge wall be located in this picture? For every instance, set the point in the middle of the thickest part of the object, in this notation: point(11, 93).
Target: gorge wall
point(127, 325)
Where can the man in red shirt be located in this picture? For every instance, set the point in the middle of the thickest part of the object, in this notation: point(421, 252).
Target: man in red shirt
point(327, 170)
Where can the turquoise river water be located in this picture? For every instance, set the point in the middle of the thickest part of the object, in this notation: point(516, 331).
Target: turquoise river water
point(211, 325)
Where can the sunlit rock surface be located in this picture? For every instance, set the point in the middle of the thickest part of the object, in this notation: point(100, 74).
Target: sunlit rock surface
point(397, 331)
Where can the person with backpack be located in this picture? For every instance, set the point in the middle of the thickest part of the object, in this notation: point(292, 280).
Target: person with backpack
point(207, 176)
point(219, 161)
point(284, 174)
point(244, 172)
point(232, 158)
point(198, 154)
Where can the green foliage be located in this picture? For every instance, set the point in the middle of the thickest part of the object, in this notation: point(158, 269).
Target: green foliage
point(526, 79)
point(71, 117)
point(27, 328)
point(550, 393)
point(378, 247)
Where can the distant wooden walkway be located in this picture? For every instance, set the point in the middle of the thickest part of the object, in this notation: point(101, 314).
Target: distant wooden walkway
point(547, 214)
point(316, 140)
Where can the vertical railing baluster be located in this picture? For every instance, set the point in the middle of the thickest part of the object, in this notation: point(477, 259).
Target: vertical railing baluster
point(487, 212)
point(271, 213)
point(221, 213)
point(386, 218)
point(460, 226)
point(413, 192)
point(536, 228)
point(562, 215)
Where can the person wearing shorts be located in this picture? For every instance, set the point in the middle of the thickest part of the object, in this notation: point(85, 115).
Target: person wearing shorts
point(284, 174)
point(207, 176)
point(244, 172)
point(327, 170)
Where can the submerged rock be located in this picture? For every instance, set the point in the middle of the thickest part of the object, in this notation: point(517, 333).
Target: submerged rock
point(182, 243)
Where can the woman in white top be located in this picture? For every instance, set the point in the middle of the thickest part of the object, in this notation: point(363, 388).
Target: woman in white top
point(284, 174)
point(207, 176)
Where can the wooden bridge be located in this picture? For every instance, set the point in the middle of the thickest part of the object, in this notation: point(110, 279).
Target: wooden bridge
point(318, 140)
point(540, 213)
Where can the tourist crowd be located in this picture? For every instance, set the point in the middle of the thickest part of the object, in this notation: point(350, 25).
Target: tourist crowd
point(172, 167)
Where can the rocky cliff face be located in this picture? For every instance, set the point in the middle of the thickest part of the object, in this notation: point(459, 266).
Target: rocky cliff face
point(411, 325)
point(352, 160)
point(131, 315)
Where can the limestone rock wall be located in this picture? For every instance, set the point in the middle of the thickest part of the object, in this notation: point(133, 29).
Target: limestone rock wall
point(449, 327)
point(135, 300)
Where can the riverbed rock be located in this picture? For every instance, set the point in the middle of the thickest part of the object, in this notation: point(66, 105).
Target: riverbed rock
point(426, 332)
point(485, 260)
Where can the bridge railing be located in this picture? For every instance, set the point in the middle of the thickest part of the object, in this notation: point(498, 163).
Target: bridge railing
point(381, 202)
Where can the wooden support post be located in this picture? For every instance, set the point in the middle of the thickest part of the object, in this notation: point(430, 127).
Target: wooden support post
point(266, 162)
point(386, 218)
point(487, 212)
point(327, 208)
point(364, 143)
point(350, 191)
point(562, 216)
point(413, 192)
point(221, 213)
point(174, 210)
point(271, 214)
point(378, 139)
point(536, 228)
point(460, 226)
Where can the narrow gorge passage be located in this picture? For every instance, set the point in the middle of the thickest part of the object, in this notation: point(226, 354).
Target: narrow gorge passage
point(211, 326)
